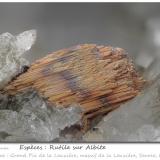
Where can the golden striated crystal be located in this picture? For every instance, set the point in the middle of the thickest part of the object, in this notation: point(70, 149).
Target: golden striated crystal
point(99, 78)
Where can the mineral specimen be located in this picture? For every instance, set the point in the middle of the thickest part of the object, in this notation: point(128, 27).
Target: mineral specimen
point(11, 50)
point(28, 117)
point(136, 120)
point(98, 78)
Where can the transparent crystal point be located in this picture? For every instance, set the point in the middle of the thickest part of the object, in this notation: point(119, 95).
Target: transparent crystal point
point(25, 40)
point(11, 50)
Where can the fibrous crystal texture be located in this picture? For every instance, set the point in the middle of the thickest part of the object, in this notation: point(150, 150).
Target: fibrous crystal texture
point(99, 78)
point(26, 116)
point(137, 120)
point(66, 88)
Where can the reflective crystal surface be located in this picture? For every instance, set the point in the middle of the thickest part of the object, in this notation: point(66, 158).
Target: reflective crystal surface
point(28, 118)
point(11, 50)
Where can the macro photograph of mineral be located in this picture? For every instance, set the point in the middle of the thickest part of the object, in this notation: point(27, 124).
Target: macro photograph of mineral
point(79, 72)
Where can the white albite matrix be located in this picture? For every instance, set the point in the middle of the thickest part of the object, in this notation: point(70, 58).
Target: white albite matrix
point(12, 49)
point(28, 118)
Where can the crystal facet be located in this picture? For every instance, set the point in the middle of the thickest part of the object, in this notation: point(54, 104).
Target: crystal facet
point(29, 118)
point(11, 49)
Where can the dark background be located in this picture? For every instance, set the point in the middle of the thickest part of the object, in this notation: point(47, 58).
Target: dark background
point(132, 26)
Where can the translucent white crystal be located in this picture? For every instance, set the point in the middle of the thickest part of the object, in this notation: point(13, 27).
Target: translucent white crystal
point(11, 50)
point(144, 60)
point(153, 71)
point(31, 119)
point(25, 40)
point(137, 120)
point(153, 25)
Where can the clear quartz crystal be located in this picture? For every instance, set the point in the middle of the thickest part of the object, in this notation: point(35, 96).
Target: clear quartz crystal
point(11, 50)
point(29, 118)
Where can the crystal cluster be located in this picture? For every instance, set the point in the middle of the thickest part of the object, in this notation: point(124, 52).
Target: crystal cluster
point(11, 50)
point(99, 78)
point(27, 117)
